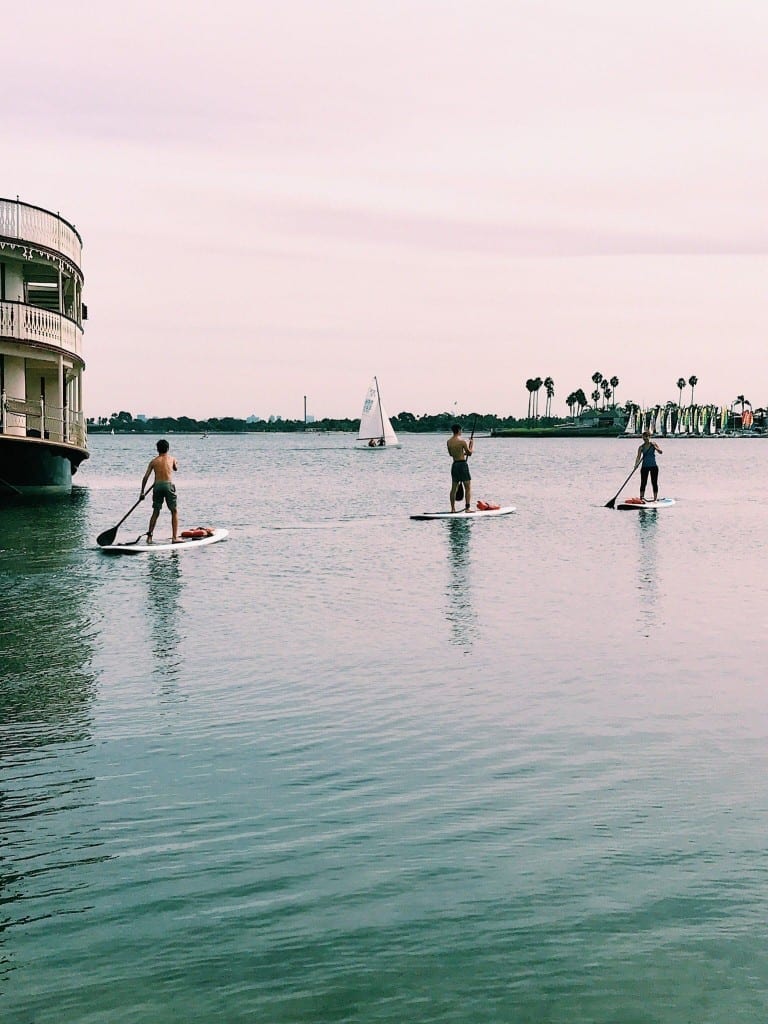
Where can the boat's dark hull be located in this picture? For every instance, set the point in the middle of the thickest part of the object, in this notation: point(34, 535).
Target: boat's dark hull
point(31, 466)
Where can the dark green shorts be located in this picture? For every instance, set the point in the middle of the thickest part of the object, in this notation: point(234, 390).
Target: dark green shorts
point(164, 492)
point(460, 471)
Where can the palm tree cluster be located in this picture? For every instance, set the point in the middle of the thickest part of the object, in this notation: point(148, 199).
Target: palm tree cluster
point(693, 381)
point(534, 385)
point(606, 386)
point(576, 399)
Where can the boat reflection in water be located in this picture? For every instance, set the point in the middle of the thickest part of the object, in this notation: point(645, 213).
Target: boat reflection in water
point(47, 620)
point(47, 693)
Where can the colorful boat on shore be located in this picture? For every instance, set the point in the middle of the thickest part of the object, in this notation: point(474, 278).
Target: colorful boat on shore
point(42, 423)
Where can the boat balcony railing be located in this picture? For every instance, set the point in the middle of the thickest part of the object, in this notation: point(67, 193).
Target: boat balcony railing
point(35, 225)
point(23, 322)
point(37, 418)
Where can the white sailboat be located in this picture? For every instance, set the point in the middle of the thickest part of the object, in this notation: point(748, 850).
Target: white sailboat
point(375, 428)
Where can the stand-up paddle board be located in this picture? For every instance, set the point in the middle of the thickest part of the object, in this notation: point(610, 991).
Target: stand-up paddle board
point(141, 546)
point(644, 506)
point(480, 514)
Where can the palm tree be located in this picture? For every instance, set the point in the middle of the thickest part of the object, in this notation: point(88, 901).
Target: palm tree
point(531, 385)
point(680, 386)
point(570, 402)
point(595, 397)
point(614, 385)
point(581, 400)
point(536, 388)
point(693, 381)
point(549, 387)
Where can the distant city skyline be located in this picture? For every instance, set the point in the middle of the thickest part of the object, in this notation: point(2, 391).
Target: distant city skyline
point(454, 197)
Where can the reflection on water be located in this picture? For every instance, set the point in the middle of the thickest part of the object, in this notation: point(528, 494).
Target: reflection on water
point(164, 586)
point(47, 621)
point(460, 610)
point(47, 689)
point(647, 567)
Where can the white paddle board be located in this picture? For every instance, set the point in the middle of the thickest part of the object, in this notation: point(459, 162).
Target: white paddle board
point(165, 544)
point(480, 514)
point(647, 506)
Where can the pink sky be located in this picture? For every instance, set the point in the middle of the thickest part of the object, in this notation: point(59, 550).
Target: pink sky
point(280, 199)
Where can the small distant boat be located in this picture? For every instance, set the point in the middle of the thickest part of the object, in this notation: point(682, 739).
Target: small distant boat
point(375, 428)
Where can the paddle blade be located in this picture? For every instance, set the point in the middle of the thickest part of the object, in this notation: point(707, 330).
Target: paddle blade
point(460, 492)
point(611, 503)
point(107, 538)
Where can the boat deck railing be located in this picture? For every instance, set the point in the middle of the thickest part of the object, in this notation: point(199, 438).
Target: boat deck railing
point(33, 224)
point(20, 417)
point(22, 322)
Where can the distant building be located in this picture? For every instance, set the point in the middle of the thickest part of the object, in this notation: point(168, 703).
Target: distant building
point(310, 418)
point(142, 416)
point(253, 418)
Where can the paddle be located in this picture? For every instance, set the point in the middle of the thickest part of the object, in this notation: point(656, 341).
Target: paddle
point(108, 537)
point(612, 502)
point(460, 488)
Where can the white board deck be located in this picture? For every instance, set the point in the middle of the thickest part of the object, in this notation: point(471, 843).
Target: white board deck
point(503, 511)
point(649, 506)
point(164, 544)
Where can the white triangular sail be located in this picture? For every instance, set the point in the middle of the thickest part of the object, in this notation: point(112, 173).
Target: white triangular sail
point(374, 421)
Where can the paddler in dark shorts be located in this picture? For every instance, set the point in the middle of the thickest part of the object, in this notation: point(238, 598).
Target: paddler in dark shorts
point(460, 450)
point(646, 454)
point(163, 489)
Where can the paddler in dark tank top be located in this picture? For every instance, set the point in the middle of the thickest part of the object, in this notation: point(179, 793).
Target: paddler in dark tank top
point(646, 454)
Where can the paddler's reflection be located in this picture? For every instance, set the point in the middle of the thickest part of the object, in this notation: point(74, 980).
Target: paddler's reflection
point(165, 584)
point(647, 569)
point(460, 610)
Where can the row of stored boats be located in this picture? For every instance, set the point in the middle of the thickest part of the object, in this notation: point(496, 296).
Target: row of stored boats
point(692, 421)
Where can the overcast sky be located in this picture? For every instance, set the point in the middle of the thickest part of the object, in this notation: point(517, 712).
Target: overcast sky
point(283, 198)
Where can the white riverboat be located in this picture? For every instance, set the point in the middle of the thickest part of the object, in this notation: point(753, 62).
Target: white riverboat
point(42, 424)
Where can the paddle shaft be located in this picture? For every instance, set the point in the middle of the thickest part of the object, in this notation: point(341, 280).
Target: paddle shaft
point(460, 488)
point(612, 502)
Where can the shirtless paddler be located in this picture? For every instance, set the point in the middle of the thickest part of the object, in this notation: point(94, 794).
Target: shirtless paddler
point(163, 490)
point(460, 450)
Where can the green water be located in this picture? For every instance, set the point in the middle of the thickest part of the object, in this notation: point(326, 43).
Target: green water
point(349, 767)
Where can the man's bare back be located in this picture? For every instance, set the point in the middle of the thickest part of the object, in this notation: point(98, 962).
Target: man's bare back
point(458, 448)
point(163, 466)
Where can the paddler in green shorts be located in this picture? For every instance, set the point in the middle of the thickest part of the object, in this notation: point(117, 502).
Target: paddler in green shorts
point(460, 450)
point(163, 489)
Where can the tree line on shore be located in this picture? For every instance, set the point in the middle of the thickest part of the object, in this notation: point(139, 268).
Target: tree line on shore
point(406, 422)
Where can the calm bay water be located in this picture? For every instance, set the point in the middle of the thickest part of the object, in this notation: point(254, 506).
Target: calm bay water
point(350, 767)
